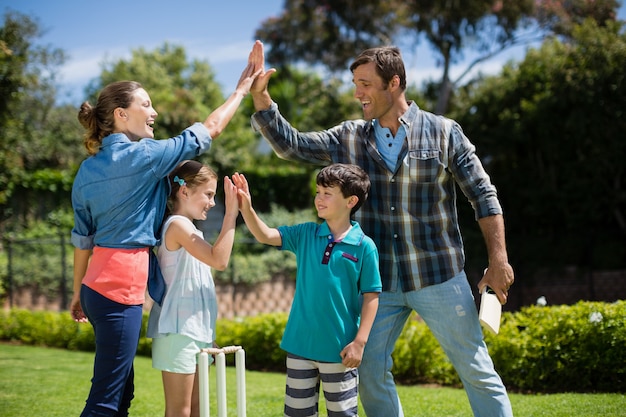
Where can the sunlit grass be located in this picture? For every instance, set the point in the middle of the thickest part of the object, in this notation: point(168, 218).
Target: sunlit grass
point(36, 381)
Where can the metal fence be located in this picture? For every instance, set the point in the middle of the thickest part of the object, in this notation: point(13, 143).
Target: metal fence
point(44, 267)
point(38, 273)
point(42, 264)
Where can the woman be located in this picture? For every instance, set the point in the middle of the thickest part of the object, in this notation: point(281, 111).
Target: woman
point(119, 197)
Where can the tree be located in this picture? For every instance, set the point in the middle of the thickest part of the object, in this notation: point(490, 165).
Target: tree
point(550, 131)
point(332, 32)
point(561, 17)
point(28, 119)
point(327, 32)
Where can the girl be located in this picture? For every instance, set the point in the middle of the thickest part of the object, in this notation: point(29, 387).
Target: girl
point(185, 321)
point(119, 197)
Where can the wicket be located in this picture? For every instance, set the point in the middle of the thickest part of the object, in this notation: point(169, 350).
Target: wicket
point(220, 369)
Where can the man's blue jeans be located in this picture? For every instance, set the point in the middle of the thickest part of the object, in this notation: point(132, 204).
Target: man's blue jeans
point(449, 311)
point(117, 328)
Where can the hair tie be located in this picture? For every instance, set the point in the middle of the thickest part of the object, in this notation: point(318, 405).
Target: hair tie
point(180, 181)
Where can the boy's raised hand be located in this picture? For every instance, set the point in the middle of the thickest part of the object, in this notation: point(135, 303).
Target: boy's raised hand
point(243, 191)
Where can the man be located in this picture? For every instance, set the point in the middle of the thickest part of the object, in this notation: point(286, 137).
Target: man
point(414, 160)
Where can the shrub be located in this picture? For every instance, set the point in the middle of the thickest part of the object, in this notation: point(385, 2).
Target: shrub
point(260, 336)
point(580, 348)
point(418, 358)
point(45, 328)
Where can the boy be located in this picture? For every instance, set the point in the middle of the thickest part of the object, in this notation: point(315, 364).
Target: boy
point(337, 263)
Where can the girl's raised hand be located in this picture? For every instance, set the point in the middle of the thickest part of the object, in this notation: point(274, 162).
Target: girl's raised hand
point(231, 199)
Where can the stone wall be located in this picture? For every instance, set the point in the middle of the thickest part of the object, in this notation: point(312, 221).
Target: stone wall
point(269, 297)
point(233, 300)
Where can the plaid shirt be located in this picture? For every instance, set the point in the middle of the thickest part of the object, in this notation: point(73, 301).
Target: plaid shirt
point(411, 212)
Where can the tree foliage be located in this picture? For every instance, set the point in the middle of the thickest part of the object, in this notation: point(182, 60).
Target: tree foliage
point(551, 131)
point(39, 139)
point(549, 128)
point(561, 17)
point(327, 32)
point(332, 32)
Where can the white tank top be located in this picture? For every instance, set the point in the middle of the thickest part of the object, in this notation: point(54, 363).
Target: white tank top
point(190, 304)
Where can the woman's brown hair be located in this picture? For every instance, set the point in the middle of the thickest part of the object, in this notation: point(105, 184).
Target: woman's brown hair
point(98, 121)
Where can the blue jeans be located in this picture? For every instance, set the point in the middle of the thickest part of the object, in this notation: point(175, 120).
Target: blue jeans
point(449, 311)
point(117, 328)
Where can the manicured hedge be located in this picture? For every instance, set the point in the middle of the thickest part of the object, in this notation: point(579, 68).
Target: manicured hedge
point(578, 348)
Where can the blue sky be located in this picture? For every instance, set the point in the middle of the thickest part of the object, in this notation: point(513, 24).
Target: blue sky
point(220, 32)
point(90, 32)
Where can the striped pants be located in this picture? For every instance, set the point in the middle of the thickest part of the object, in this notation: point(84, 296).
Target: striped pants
point(303, 385)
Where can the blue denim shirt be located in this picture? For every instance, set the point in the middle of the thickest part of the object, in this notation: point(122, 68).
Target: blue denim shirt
point(119, 194)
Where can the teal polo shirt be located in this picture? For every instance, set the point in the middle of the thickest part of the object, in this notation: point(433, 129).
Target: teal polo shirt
point(330, 277)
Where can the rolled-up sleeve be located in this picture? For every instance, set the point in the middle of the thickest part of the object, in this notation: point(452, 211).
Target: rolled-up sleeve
point(471, 176)
point(82, 236)
point(291, 144)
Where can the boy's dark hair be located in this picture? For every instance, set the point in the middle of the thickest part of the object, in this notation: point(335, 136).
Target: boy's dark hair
point(350, 179)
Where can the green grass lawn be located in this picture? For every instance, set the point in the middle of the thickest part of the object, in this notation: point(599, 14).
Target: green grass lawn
point(36, 381)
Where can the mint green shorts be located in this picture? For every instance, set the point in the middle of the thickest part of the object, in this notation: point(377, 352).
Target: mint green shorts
point(177, 353)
